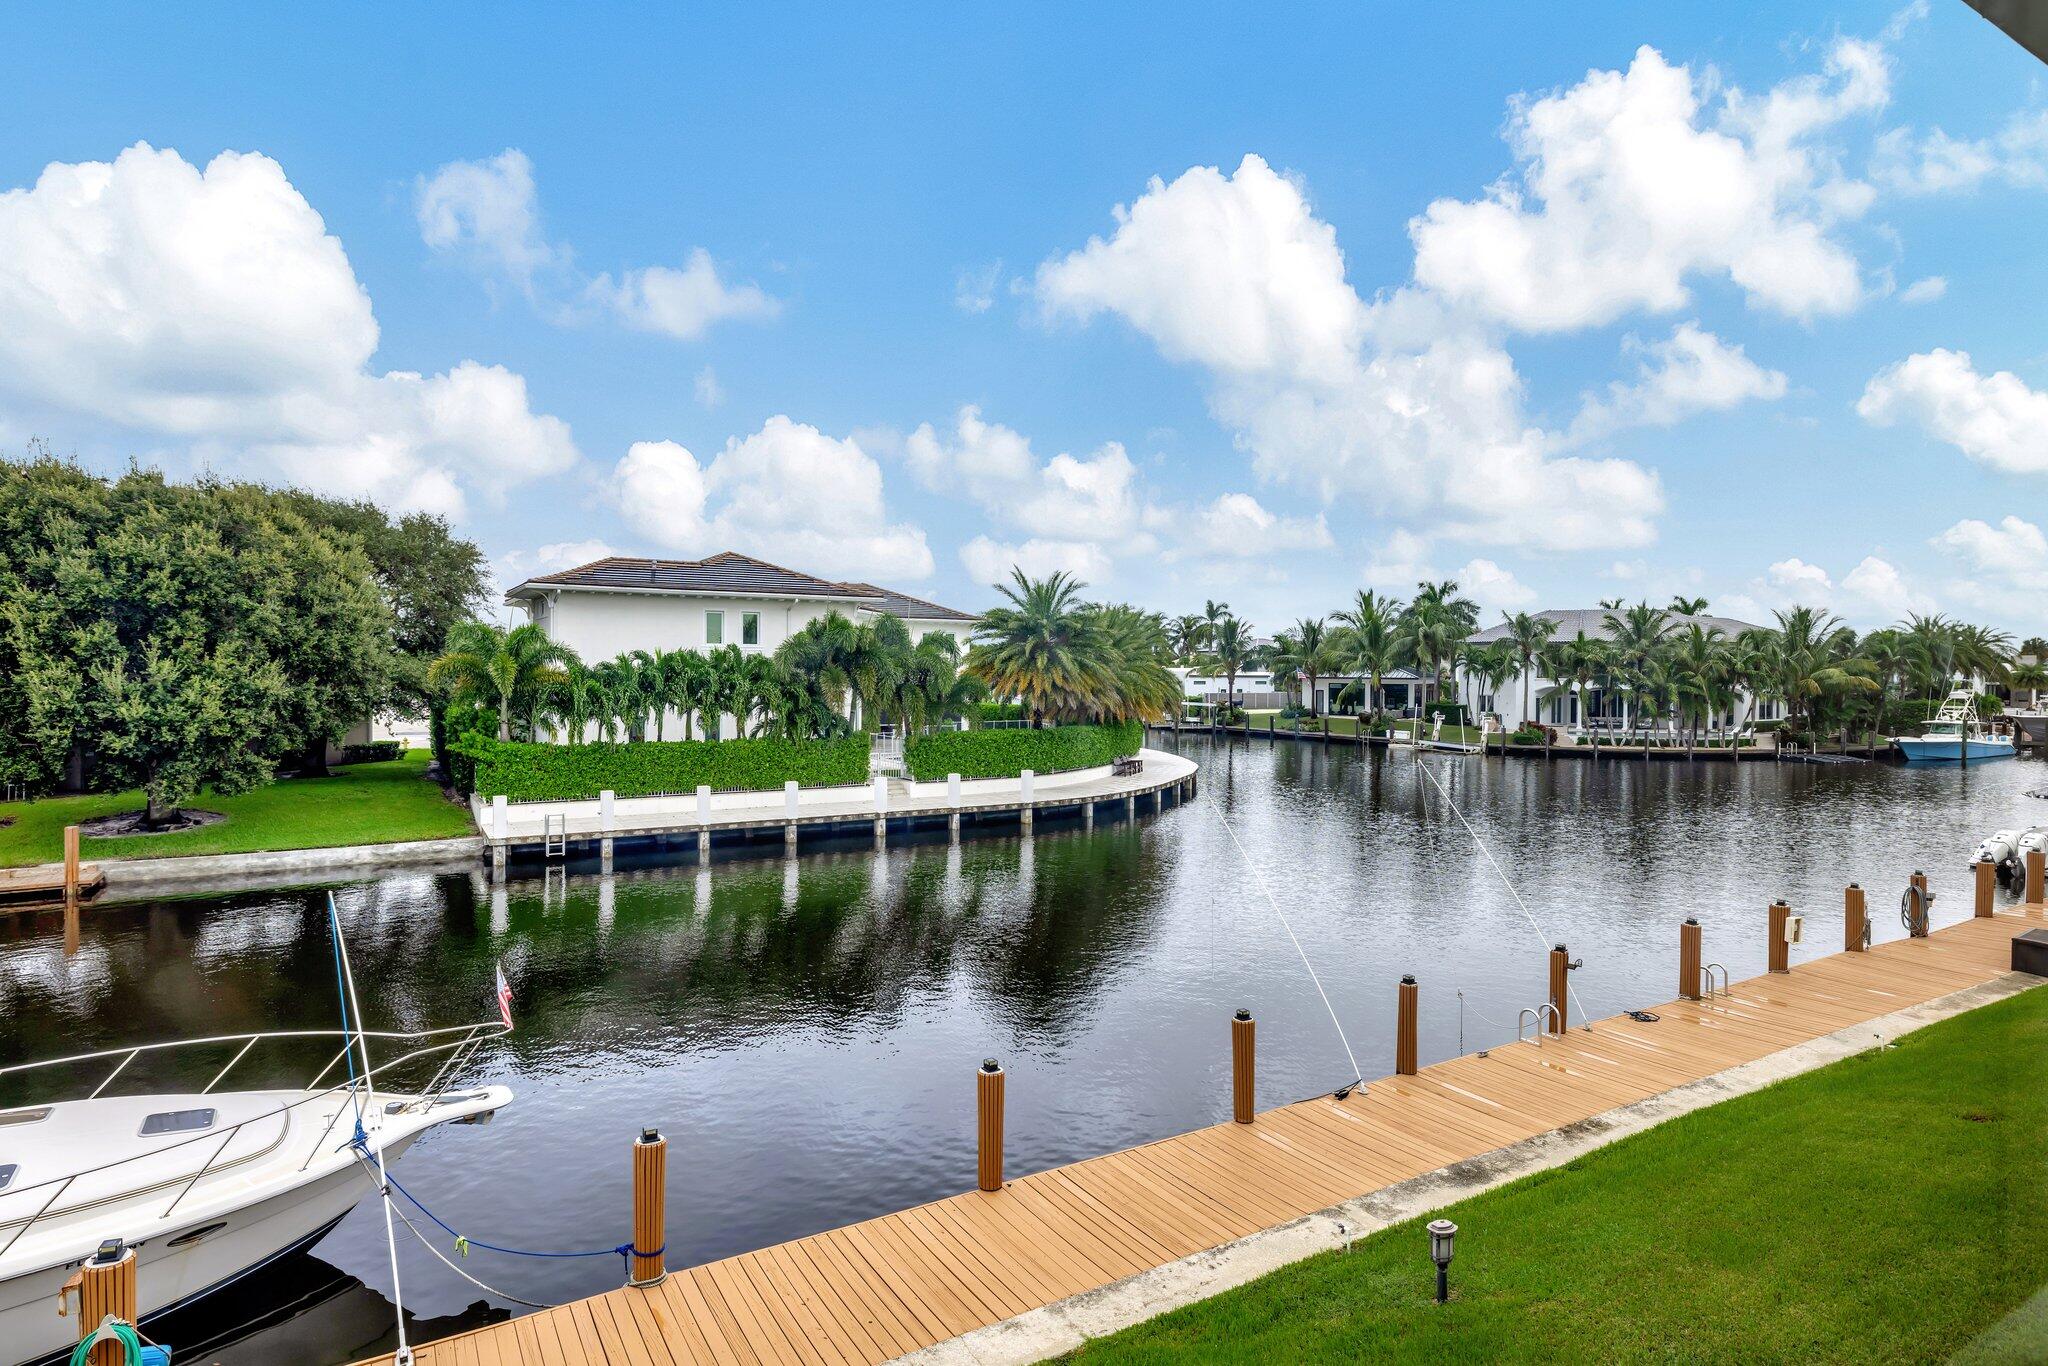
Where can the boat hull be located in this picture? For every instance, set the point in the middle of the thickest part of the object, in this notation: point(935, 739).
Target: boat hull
point(168, 1276)
point(1948, 750)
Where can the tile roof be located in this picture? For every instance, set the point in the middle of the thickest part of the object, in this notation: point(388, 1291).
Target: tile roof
point(728, 572)
point(1593, 621)
point(731, 572)
point(903, 605)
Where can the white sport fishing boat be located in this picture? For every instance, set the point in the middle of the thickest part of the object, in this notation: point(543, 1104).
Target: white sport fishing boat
point(206, 1185)
point(1955, 734)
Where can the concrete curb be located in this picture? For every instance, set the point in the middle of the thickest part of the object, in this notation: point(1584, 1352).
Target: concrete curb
point(126, 872)
point(1067, 1325)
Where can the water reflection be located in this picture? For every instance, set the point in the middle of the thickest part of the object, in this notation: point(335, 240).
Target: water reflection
point(805, 1030)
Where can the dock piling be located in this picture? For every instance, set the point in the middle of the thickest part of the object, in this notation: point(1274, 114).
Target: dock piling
point(789, 799)
point(500, 820)
point(1689, 960)
point(703, 804)
point(1243, 1065)
point(2037, 878)
point(1404, 1027)
point(1560, 965)
point(1987, 884)
point(106, 1286)
point(988, 1110)
point(607, 811)
point(1780, 950)
point(650, 1209)
point(70, 867)
point(953, 790)
point(1855, 920)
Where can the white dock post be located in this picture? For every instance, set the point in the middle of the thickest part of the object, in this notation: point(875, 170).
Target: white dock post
point(500, 820)
point(1088, 814)
point(606, 811)
point(1024, 781)
point(881, 794)
point(953, 789)
point(789, 799)
point(703, 804)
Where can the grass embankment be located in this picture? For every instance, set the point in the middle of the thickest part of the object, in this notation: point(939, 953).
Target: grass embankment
point(1888, 1208)
point(360, 804)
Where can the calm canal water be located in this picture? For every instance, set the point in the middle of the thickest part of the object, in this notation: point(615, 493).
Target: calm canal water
point(806, 1033)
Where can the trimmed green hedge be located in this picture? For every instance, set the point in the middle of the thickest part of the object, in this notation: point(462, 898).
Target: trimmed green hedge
point(528, 773)
point(985, 712)
point(1007, 753)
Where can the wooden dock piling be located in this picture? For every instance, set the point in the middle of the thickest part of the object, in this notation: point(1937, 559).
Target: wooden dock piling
point(988, 1111)
point(1855, 919)
point(2037, 878)
point(1243, 1064)
point(106, 1286)
point(1689, 960)
point(1780, 951)
point(1987, 887)
point(1404, 1028)
point(70, 867)
point(650, 1209)
point(1560, 993)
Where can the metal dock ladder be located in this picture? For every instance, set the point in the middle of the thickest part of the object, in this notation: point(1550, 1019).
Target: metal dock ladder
point(554, 834)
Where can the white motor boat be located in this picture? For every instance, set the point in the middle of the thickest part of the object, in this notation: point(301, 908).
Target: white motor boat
point(1955, 735)
point(2007, 850)
point(207, 1185)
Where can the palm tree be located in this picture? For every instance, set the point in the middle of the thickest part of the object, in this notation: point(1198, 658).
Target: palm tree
point(512, 670)
point(1140, 685)
point(1436, 625)
point(1794, 655)
point(577, 700)
point(617, 693)
point(1369, 643)
point(1634, 636)
point(1213, 615)
point(1583, 659)
point(1699, 658)
point(1230, 650)
point(1528, 636)
point(1687, 607)
point(1491, 666)
point(1190, 633)
point(1308, 652)
point(1042, 647)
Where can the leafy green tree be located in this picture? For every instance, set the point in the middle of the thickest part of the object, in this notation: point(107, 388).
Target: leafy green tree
point(1308, 652)
point(1434, 627)
point(1583, 660)
point(1041, 647)
point(1369, 643)
point(1230, 651)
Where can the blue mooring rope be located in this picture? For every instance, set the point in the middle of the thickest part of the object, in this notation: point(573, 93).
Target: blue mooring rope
point(625, 1251)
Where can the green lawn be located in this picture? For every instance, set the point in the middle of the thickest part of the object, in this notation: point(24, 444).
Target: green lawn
point(359, 804)
point(1889, 1208)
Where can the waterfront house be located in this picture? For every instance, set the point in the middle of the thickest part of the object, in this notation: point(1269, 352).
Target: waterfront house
point(1556, 702)
point(618, 604)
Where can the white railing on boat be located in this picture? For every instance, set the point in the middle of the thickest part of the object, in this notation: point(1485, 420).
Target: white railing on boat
point(455, 1043)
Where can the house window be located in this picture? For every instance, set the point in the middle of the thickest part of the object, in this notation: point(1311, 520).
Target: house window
point(714, 628)
point(750, 628)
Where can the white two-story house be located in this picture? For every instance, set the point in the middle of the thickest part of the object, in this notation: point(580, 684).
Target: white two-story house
point(611, 606)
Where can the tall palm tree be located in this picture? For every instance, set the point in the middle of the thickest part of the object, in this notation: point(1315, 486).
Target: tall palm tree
point(1308, 652)
point(1140, 686)
point(1584, 661)
point(1528, 636)
point(617, 694)
point(512, 670)
point(1213, 614)
point(1635, 634)
point(1490, 666)
point(1687, 607)
point(1369, 643)
point(1230, 651)
point(1190, 633)
point(1435, 626)
point(577, 700)
point(1699, 659)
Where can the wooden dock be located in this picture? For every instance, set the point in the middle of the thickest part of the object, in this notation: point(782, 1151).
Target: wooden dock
point(876, 1290)
point(42, 886)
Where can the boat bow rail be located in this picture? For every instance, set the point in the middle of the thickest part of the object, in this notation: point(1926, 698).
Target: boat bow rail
point(146, 1172)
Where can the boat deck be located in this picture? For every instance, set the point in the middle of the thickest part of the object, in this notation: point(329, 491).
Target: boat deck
point(879, 1289)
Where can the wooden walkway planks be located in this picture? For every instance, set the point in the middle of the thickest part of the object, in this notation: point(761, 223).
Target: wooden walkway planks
point(872, 1291)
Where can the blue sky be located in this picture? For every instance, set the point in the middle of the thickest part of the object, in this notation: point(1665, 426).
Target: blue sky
point(1660, 299)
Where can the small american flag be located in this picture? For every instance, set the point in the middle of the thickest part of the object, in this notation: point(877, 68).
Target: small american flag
point(504, 997)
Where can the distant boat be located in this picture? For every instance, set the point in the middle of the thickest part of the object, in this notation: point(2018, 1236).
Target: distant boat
point(1955, 734)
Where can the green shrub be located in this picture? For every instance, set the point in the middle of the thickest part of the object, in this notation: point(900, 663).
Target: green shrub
point(1526, 735)
point(527, 773)
point(1453, 713)
point(1007, 753)
point(374, 752)
point(985, 712)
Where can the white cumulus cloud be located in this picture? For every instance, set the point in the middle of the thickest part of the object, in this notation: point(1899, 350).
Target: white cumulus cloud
point(1996, 418)
point(2014, 553)
point(787, 493)
point(1935, 163)
point(1236, 274)
point(990, 561)
point(487, 213)
point(211, 306)
point(1691, 371)
point(1632, 182)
